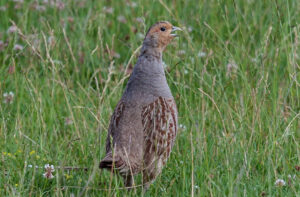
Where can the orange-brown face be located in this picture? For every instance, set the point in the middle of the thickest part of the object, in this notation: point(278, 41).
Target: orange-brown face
point(161, 34)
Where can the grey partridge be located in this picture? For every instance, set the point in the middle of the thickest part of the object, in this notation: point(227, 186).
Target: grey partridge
point(143, 126)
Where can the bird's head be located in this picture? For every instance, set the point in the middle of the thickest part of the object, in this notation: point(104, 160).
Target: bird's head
point(160, 35)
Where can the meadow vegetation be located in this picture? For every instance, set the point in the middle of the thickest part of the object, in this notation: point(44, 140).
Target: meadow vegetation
point(234, 71)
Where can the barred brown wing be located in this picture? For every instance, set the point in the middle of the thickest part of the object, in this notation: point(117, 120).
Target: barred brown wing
point(160, 128)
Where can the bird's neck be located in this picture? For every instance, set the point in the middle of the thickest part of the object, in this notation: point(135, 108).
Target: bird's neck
point(148, 76)
point(150, 62)
point(151, 52)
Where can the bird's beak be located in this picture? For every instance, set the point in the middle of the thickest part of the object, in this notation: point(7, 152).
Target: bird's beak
point(175, 29)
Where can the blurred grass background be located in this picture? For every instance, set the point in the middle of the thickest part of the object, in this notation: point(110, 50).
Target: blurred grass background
point(234, 72)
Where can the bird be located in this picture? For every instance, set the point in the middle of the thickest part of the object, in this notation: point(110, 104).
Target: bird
point(144, 123)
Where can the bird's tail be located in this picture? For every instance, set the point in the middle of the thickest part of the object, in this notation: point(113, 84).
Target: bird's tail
point(110, 161)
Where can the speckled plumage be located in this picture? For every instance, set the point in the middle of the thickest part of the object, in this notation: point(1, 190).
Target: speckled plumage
point(143, 126)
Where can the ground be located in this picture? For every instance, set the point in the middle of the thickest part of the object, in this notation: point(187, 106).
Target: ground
point(234, 72)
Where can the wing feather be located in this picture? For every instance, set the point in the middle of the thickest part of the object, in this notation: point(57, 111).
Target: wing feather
point(160, 128)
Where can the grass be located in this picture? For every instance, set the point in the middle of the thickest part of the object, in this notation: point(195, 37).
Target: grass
point(234, 71)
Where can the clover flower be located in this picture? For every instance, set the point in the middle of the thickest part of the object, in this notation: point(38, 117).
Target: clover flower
point(18, 47)
point(8, 97)
point(49, 169)
point(182, 126)
point(280, 182)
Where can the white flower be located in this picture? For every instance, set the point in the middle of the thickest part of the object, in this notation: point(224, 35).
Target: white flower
point(29, 166)
point(12, 29)
point(48, 175)
point(201, 54)
point(49, 167)
point(60, 5)
point(231, 68)
point(139, 20)
point(122, 19)
point(292, 177)
point(68, 121)
point(196, 187)
point(181, 52)
point(8, 97)
point(280, 182)
point(40, 8)
point(18, 47)
point(190, 29)
point(3, 8)
point(132, 4)
point(108, 10)
point(163, 189)
point(36, 167)
point(182, 126)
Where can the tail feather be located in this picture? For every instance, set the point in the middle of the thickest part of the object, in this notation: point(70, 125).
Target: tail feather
point(105, 164)
point(109, 162)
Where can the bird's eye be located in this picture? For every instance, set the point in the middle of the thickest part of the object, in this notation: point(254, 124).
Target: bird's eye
point(162, 29)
